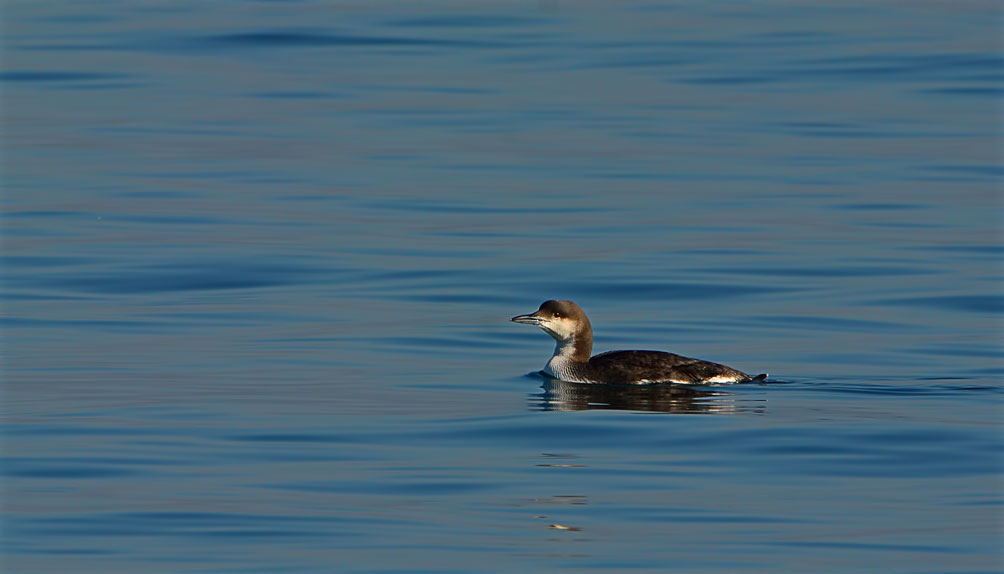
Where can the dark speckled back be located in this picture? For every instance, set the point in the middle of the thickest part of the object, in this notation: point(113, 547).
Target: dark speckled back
point(627, 367)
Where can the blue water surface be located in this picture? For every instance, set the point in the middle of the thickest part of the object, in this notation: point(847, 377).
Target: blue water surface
point(259, 260)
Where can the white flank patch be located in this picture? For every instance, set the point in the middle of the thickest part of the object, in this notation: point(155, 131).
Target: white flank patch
point(722, 379)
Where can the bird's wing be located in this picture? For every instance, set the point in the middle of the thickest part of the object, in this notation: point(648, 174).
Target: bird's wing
point(651, 366)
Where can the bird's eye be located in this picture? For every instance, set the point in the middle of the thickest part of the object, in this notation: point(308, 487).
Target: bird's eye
point(556, 314)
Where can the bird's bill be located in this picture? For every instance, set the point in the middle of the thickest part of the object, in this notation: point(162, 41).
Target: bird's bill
point(527, 319)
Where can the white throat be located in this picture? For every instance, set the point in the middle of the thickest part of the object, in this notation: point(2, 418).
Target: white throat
point(564, 348)
point(561, 365)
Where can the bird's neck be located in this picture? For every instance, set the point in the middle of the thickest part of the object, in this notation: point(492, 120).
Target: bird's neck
point(577, 348)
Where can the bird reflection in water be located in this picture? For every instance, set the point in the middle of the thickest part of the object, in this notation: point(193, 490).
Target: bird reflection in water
point(664, 398)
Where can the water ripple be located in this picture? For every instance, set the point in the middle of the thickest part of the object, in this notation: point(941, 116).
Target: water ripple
point(57, 76)
point(469, 21)
point(178, 276)
point(298, 39)
point(993, 304)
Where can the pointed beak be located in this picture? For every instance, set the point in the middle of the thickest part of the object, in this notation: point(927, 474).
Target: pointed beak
point(527, 319)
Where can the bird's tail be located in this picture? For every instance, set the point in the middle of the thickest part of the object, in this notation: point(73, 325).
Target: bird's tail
point(758, 378)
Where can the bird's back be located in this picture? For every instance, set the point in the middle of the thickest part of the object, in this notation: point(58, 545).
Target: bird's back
point(633, 367)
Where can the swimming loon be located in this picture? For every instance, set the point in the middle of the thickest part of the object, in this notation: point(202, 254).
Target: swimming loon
point(568, 324)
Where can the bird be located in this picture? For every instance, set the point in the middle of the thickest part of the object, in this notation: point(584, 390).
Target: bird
point(568, 324)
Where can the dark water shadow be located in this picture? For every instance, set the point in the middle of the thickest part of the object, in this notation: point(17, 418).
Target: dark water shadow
point(663, 398)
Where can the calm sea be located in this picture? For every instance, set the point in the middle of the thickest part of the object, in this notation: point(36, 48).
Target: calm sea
point(259, 260)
